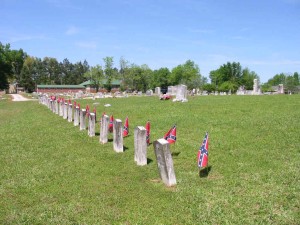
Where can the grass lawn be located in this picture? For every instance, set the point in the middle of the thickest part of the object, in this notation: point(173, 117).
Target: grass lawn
point(52, 173)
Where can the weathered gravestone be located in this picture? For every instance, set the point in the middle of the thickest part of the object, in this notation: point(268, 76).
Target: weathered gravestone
point(76, 116)
point(140, 146)
point(181, 94)
point(104, 129)
point(164, 161)
point(92, 123)
point(70, 113)
point(82, 119)
point(118, 135)
point(56, 107)
point(65, 116)
point(157, 91)
point(61, 108)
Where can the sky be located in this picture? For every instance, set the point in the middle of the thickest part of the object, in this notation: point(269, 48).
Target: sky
point(263, 35)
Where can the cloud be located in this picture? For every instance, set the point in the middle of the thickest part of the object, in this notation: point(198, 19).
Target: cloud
point(72, 30)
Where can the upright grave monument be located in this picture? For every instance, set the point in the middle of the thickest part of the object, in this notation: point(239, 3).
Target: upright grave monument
point(118, 135)
point(140, 146)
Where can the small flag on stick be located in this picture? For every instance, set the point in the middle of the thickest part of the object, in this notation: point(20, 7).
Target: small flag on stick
point(203, 153)
point(170, 136)
point(111, 124)
point(87, 108)
point(126, 128)
point(148, 132)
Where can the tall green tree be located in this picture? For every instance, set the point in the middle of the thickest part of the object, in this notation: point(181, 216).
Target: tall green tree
point(96, 76)
point(160, 78)
point(247, 78)
point(27, 74)
point(5, 66)
point(108, 71)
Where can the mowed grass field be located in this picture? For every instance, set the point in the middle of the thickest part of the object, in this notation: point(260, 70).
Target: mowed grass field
point(52, 173)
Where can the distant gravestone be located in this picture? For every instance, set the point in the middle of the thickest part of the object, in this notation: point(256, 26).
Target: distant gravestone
point(118, 136)
point(82, 119)
point(70, 113)
point(149, 93)
point(91, 126)
point(181, 94)
point(56, 107)
point(140, 146)
point(139, 93)
point(104, 129)
point(76, 116)
point(164, 161)
point(61, 108)
point(280, 89)
point(65, 111)
point(157, 91)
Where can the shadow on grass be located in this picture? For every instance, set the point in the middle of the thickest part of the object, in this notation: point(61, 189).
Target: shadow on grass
point(149, 161)
point(110, 139)
point(175, 153)
point(97, 134)
point(125, 148)
point(204, 172)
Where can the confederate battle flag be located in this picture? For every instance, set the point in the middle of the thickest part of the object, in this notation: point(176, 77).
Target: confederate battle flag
point(126, 128)
point(203, 153)
point(170, 136)
point(148, 133)
point(87, 108)
point(111, 124)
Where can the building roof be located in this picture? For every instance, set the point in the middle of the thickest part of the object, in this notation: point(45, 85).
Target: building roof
point(104, 81)
point(61, 86)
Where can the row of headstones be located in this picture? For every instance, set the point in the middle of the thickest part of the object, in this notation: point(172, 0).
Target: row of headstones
point(161, 146)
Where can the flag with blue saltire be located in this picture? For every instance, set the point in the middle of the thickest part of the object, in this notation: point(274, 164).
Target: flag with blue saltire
point(126, 128)
point(203, 153)
point(170, 136)
point(148, 132)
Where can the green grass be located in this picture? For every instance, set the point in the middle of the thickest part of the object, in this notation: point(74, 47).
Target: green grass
point(52, 173)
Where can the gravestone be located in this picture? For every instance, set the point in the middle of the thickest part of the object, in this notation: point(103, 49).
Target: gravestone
point(280, 89)
point(164, 161)
point(118, 135)
point(70, 113)
point(61, 108)
point(56, 106)
point(255, 86)
point(139, 93)
point(82, 119)
point(157, 91)
point(104, 129)
point(51, 105)
point(181, 94)
point(140, 146)
point(65, 111)
point(91, 126)
point(76, 116)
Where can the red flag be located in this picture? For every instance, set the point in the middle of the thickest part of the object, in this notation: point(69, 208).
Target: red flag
point(203, 153)
point(148, 132)
point(70, 102)
point(111, 124)
point(126, 128)
point(74, 104)
point(170, 136)
point(78, 105)
point(87, 108)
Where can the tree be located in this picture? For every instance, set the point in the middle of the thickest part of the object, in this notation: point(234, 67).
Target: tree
point(108, 71)
point(5, 65)
point(188, 73)
point(160, 78)
point(296, 78)
point(247, 78)
point(27, 74)
point(95, 74)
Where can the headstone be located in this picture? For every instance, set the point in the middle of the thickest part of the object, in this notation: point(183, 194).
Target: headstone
point(76, 116)
point(139, 93)
point(118, 135)
point(56, 106)
point(181, 94)
point(280, 89)
point(149, 93)
point(65, 111)
point(140, 146)
point(164, 161)
point(61, 108)
point(104, 129)
point(157, 91)
point(70, 113)
point(255, 86)
point(91, 126)
point(51, 105)
point(82, 119)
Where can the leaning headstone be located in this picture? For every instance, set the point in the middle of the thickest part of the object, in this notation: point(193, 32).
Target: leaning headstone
point(118, 136)
point(164, 161)
point(70, 113)
point(65, 111)
point(82, 119)
point(104, 129)
point(76, 116)
point(91, 126)
point(140, 146)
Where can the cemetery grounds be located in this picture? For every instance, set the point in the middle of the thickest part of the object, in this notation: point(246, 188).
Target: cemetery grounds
point(52, 173)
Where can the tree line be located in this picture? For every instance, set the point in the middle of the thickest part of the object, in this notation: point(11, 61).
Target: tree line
point(28, 71)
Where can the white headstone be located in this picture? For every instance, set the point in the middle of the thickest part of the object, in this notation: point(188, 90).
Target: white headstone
point(118, 135)
point(140, 146)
